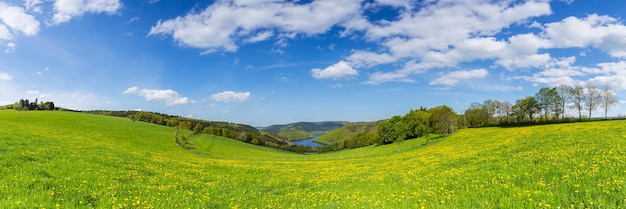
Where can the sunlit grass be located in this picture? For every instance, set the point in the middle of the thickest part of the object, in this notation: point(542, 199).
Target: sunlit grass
point(73, 160)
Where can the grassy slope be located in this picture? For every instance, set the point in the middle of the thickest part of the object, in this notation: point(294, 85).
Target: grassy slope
point(347, 131)
point(71, 160)
point(225, 148)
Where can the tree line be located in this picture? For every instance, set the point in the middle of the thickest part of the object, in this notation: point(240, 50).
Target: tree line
point(25, 104)
point(440, 120)
point(548, 105)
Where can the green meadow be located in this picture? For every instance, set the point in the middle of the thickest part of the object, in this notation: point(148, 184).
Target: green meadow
point(54, 159)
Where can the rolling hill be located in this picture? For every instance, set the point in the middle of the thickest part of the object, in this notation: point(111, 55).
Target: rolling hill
point(52, 159)
point(302, 130)
point(307, 126)
point(347, 131)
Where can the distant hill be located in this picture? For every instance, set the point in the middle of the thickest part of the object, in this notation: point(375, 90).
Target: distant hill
point(347, 131)
point(307, 126)
point(290, 135)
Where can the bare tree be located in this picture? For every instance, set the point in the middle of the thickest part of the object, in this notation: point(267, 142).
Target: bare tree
point(608, 99)
point(565, 94)
point(592, 98)
point(578, 94)
point(507, 109)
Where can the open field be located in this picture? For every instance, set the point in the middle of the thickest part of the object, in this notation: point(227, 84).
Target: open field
point(72, 160)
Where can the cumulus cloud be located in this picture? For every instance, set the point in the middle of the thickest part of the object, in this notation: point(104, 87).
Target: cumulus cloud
point(369, 59)
point(452, 78)
point(231, 96)
point(444, 34)
point(422, 36)
point(220, 26)
point(602, 32)
point(10, 47)
point(170, 97)
point(5, 76)
point(65, 10)
point(339, 70)
point(612, 74)
point(18, 20)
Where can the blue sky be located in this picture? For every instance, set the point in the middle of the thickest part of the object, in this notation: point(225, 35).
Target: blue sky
point(271, 62)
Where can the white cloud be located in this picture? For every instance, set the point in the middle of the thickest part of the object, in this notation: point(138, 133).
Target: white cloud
point(451, 78)
point(5, 34)
point(221, 27)
point(446, 33)
point(170, 97)
point(339, 70)
point(602, 32)
point(521, 52)
point(10, 47)
point(33, 5)
point(380, 77)
point(17, 19)
point(65, 10)
point(262, 36)
point(5, 76)
point(396, 3)
point(133, 19)
point(231, 96)
point(556, 71)
point(369, 59)
point(612, 74)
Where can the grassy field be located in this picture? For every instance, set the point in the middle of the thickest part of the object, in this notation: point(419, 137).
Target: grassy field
point(74, 160)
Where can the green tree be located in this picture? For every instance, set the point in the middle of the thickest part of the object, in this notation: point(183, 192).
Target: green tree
point(442, 119)
point(401, 130)
point(388, 131)
point(185, 125)
point(476, 115)
point(526, 108)
point(547, 99)
point(19, 107)
point(197, 129)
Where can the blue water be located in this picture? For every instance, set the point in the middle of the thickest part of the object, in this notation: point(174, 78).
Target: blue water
point(308, 142)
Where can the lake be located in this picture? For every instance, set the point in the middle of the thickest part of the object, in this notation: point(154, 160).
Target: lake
point(308, 142)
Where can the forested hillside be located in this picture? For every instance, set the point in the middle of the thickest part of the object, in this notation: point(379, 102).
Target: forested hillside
point(307, 126)
point(349, 131)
